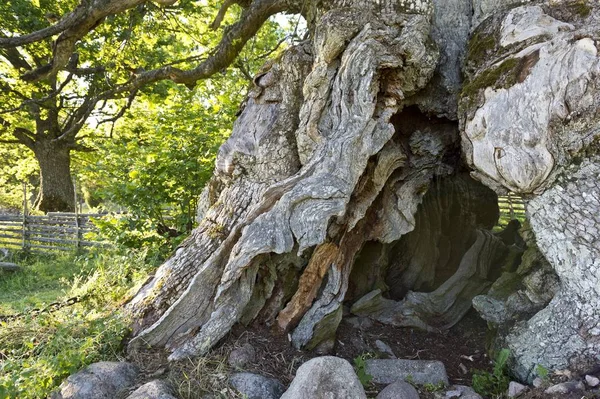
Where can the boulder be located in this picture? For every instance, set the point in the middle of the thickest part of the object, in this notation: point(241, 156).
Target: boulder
point(254, 386)
point(325, 377)
point(103, 380)
point(399, 390)
point(156, 389)
point(241, 357)
point(388, 371)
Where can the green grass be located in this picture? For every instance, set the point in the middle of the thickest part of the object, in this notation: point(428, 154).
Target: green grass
point(38, 352)
point(42, 280)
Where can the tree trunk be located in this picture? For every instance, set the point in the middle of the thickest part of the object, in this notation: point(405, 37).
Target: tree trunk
point(338, 185)
point(531, 111)
point(56, 193)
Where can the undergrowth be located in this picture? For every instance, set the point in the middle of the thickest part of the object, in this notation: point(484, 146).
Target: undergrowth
point(494, 384)
point(37, 352)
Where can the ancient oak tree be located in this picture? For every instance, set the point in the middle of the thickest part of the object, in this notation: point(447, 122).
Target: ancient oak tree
point(363, 173)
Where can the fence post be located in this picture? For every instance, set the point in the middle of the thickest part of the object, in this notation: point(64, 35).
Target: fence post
point(77, 221)
point(510, 207)
point(25, 214)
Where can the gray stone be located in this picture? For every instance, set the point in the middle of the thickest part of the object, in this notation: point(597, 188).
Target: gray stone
point(255, 386)
point(565, 388)
point(156, 389)
point(592, 381)
point(325, 377)
point(385, 349)
point(103, 380)
point(362, 323)
point(537, 382)
point(241, 357)
point(490, 309)
point(462, 392)
point(515, 389)
point(399, 390)
point(388, 371)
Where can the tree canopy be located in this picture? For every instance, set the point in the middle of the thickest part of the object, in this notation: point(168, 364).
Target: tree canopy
point(69, 71)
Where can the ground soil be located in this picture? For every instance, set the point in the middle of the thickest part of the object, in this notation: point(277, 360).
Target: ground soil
point(461, 349)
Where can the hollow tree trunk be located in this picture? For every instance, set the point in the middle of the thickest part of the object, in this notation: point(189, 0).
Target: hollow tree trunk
point(56, 193)
point(304, 181)
point(327, 165)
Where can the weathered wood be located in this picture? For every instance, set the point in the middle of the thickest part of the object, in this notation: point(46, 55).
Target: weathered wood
point(9, 267)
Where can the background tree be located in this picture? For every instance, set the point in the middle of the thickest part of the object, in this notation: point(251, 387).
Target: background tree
point(54, 110)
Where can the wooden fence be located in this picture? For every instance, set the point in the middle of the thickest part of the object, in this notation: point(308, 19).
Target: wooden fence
point(52, 232)
point(511, 207)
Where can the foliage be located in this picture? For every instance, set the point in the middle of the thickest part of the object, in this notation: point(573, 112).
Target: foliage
point(38, 352)
point(494, 384)
point(360, 366)
point(430, 387)
point(74, 110)
point(542, 372)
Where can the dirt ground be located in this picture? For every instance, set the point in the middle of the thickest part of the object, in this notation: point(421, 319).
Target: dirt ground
point(461, 349)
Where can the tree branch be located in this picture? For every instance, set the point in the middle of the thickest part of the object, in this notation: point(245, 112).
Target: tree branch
point(224, 54)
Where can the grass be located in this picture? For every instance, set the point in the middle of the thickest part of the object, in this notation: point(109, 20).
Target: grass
point(42, 281)
point(38, 352)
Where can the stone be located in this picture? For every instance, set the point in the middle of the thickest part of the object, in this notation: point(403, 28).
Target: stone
point(537, 382)
point(490, 309)
point(385, 349)
point(241, 357)
point(361, 323)
point(565, 387)
point(102, 380)
point(254, 386)
point(325, 377)
point(592, 381)
point(462, 392)
point(515, 389)
point(399, 390)
point(388, 371)
point(156, 389)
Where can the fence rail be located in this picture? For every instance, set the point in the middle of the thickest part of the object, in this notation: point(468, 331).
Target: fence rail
point(51, 232)
point(511, 207)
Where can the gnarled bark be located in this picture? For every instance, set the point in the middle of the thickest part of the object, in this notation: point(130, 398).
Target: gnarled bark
point(319, 185)
point(531, 126)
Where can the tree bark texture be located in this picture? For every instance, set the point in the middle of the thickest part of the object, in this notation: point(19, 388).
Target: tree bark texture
point(342, 181)
point(56, 192)
point(530, 117)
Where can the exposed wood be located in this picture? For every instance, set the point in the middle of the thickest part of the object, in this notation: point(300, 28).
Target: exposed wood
point(9, 267)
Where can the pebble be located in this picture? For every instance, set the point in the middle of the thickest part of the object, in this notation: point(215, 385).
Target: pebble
point(515, 389)
point(592, 381)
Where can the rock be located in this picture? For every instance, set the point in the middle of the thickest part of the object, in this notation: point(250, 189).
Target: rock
point(156, 389)
point(592, 381)
point(537, 382)
point(462, 392)
point(565, 388)
point(490, 309)
point(388, 371)
point(385, 349)
point(399, 390)
point(515, 389)
point(103, 380)
point(255, 386)
point(241, 357)
point(325, 377)
point(362, 323)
